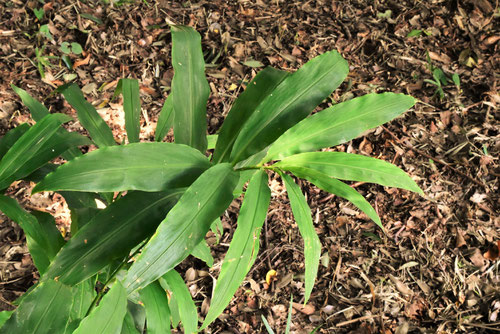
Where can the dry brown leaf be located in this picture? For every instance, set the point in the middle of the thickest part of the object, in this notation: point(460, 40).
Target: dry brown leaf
point(82, 62)
point(400, 286)
point(477, 258)
point(307, 309)
point(493, 253)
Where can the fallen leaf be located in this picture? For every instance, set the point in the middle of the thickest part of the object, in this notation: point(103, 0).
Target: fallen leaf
point(477, 258)
point(400, 286)
point(81, 62)
point(307, 309)
point(493, 253)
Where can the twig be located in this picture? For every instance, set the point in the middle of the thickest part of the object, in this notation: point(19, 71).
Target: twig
point(348, 322)
point(479, 183)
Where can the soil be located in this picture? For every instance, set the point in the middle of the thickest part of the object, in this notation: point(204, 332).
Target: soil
point(436, 270)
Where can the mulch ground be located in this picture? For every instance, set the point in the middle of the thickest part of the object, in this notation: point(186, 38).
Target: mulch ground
point(435, 270)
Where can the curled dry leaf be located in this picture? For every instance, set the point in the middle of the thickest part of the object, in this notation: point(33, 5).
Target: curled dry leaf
point(493, 253)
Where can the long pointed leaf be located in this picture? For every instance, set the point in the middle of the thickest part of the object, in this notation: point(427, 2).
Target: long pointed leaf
point(244, 246)
point(165, 120)
point(132, 108)
point(157, 311)
point(107, 318)
point(89, 118)
point(187, 309)
point(340, 189)
point(351, 167)
point(294, 98)
point(39, 111)
point(128, 326)
point(111, 234)
point(185, 225)
point(312, 245)
point(59, 143)
point(138, 166)
point(10, 138)
point(27, 147)
point(45, 310)
point(42, 235)
point(339, 124)
point(257, 90)
point(189, 88)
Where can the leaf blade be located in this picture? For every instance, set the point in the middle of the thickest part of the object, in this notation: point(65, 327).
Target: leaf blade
point(132, 108)
point(351, 167)
point(27, 146)
point(294, 98)
point(244, 247)
point(111, 234)
point(120, 168)
point(157, 311)
point(89, 118)
point(340, 189)
point(260, 87)
point(187, 309)
point(339, 124)
point(190, 88)
point(312, 245)
point(165, 119)
point(107, 318)
point(45, 310)
point(185, 225)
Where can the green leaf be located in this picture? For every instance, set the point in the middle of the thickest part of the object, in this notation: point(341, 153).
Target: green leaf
point(76, 48)
point(266, 324)
point(42, 235)
point(185, 225)
point(312, 245)
point(65, 47)
point(243, 248)
point(187, 309)
point(157, 311)
point(340, 189)
point(138, 166)
point(39, 111)
point(456, 80)
point(26, 147)
point(89, 118)
point(165, 119)
point(257, 90)
point(190, 88)
point(59, 143)
point(339, 124)
point(45, 310)
point(414, 32)
point(83, 295)
point(128, 326)
point(132, 108)
point(4, 316)
point(107, 318)
point(83, 208)
point(202, 252)
point(111, 234)
point(211, 141)
point(10, 138)
point(351, 167)
point(294, 98)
